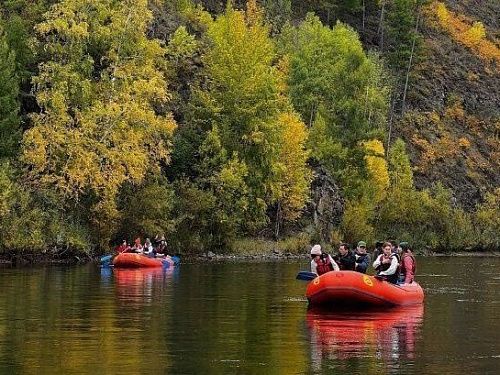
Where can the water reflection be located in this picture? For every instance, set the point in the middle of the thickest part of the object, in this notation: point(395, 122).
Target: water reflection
point(387, 336)
point(139, 286)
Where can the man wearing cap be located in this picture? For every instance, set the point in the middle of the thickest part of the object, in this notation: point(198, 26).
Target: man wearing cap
point(362, 258)
point(322, 262)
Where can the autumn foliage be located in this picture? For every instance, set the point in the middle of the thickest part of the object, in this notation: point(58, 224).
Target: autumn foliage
point(134, 118)
point(471, 34)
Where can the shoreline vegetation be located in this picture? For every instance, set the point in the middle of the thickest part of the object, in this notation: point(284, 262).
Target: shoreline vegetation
point(262, 251)
point(217, 126)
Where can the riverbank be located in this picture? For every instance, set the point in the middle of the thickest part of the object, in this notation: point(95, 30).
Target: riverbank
point(43, 258)
point(31, 259)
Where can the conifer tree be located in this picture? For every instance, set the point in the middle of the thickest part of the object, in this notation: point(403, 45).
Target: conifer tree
point(9, 105)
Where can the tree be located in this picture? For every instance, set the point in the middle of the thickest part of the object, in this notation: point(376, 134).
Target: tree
point(339, 92)
point(377, 173)
point(278, 13)
point(488, 220)
point(100, 90)
point(244, 101)
point(330, 70)
point(399, 213)
point(293, 175)
point(9, 105)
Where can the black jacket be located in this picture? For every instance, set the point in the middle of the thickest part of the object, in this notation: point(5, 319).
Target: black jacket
point(346, 262)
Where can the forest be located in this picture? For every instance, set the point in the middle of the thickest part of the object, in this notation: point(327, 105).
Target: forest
point(234, 126)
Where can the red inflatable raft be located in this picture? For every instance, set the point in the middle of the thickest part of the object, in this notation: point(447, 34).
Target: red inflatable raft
point(344, 288)
point(131, 260)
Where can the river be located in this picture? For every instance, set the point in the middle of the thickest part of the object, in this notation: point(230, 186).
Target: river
point(242, 318)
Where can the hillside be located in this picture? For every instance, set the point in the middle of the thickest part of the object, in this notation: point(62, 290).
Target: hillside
point(452, 120)
point(453, 125)
point(215, 122)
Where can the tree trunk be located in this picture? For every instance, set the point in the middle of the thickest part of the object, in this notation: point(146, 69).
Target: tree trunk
point(409, 64)
point(389, 133)
point(364, 16)
point(380, 30)
point(278, 222)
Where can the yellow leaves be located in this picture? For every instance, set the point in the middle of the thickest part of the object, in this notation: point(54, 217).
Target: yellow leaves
point(254, 14)
point(98, 128)
point(442, 13)
point(472, 36)
point(34, 147)
point(376, 166)
point(464, 142)
point(293, 175)
point(356, 221)
point(475, 34)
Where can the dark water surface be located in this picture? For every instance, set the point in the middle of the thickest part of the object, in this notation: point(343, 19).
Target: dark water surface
point(242, 318)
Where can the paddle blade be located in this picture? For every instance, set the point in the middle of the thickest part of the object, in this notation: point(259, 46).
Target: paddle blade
point(176, 259)
point(306, 276)
point(106, 258)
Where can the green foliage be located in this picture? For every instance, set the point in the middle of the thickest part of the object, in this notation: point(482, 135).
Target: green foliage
point(9, 105)
point(400, 171)
point(278, 13)
point(401, 22)
point(330, 70)
point(20, 17)
point(296, 244)
point(487, 221)
point(356, 222)
point(33, 222)
point(146, 210)
point(242, 104)
point(102, 160)
point(293, 177)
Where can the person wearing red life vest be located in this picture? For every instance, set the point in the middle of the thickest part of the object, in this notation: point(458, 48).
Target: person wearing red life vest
point(123, 248)
point(322, 262)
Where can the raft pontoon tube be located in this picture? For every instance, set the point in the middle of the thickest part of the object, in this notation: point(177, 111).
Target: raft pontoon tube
point(344, 288)
point(132, 260)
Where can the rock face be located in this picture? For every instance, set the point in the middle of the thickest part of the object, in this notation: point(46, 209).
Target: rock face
point(454, 99)
point(327, 203)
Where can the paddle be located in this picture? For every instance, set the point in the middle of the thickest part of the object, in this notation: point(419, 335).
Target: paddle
point(106, 259)
point(306, 276)
point(175, 259)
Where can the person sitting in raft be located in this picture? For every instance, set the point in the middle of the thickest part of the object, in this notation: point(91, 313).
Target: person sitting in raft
point(408, 264)
point(345, 258)
point(322, 262)
point(378, 249)
point(123, 248)
point(148, 247)
point(362, 258)
point(137, 248)
point(161, 249)
point(387, 264)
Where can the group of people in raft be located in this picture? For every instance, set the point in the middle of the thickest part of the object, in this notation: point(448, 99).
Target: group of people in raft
point(155, 249)
point(392, 262)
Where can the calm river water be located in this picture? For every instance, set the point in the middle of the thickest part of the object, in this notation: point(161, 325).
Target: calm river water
point(242, 318)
